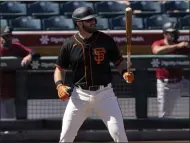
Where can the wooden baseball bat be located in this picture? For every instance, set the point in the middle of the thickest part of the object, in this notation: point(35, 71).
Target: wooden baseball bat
point(128, 15)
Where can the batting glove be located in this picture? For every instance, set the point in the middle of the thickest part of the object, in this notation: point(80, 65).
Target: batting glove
point(128, 77)
point(63, 91)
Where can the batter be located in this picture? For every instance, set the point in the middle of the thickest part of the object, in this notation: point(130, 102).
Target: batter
point(89, 53)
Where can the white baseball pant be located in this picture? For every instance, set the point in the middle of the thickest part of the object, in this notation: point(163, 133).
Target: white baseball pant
point(167, 96)
point(81, 104)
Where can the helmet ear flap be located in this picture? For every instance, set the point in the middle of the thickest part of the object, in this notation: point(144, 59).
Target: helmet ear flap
point(95, 20)
point(6, 31)
point(74, 22)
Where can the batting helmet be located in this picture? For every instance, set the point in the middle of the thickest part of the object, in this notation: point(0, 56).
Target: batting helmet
point(83, 13)
point(6, 31)
point(170, 27)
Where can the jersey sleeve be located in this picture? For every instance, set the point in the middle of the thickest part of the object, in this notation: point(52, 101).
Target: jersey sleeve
point(21, 49)
point(114, 53)
point(156, 43)
point(63, 57)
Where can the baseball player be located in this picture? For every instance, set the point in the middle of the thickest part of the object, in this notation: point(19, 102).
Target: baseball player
point(169, 80)
point(8, 77)
point(89, 53)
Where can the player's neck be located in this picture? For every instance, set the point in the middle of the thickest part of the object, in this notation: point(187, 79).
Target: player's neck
point(85, 35)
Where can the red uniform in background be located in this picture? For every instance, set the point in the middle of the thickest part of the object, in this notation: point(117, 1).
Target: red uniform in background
point(8, 77)
point(169, 80)
point(162, 73)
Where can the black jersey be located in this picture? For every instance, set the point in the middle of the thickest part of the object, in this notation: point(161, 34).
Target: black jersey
point(89, 59)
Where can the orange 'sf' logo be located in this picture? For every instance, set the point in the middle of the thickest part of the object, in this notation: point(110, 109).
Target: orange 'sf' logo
point(99, 55)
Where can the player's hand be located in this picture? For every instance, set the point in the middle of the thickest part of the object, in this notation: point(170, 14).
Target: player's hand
point(26, 60)
point(128, 77)
point(183, 44)
point(63, 91)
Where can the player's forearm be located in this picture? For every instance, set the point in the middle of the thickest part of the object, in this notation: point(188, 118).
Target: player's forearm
point(122, 66)
point(58, 75)
point(164, 49)
point(127, 75)
point(34, 54)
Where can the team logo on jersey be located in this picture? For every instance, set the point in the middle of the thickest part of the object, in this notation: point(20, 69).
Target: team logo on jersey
point(99, 55)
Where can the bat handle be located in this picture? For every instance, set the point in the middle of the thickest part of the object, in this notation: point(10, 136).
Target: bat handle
point(128, 58)
point(128, 63)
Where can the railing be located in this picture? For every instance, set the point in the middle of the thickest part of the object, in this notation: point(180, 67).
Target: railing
point(48, 43)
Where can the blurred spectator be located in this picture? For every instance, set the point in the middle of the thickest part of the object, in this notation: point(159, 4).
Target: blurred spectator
point(8, 77)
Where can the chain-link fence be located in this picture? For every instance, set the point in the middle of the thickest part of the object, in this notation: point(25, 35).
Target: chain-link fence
point(54, 108)
point(43, 108)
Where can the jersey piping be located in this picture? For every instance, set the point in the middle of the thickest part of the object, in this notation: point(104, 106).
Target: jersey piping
point(85, 74)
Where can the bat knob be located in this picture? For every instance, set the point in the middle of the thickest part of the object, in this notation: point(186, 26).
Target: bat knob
point(129, 77)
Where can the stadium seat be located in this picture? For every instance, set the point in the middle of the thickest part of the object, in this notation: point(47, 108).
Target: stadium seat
point(118, 23)
point(176, 8)
point(12, 9)
point(102, 23)
point(110, 9)
point(43, 9)
point(185, 22)
point(137, 23)
point(156, 22)
point(146, 8)
point(67, 8)
point(26, 23)
point(4, 22)
point(135, 5)
point(58, 23)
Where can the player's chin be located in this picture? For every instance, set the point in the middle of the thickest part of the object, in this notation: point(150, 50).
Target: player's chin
point(92, 29)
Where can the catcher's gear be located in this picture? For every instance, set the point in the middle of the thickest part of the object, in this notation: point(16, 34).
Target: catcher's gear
point(64, 92)
point(83, 13)
point(172, 28)
point(129, 77)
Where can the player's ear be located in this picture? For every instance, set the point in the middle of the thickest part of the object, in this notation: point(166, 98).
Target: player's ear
point(165, 34)
point(78, 24)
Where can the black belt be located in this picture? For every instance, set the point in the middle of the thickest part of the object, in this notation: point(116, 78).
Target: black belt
point(175, 80)
point(91, 88)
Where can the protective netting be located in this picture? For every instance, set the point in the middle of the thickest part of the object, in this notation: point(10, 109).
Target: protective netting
point(54, 108)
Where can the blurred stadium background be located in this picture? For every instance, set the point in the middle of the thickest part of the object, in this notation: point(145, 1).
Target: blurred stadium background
point(56, 15)
point(28, 17)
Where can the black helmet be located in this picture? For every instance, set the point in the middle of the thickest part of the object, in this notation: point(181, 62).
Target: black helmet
point(6, 31)
point(170, 27)
point(83, 13)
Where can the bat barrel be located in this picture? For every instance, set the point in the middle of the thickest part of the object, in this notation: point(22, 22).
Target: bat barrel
point(128, 16)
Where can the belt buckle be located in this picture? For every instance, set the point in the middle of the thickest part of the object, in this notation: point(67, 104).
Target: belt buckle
point(94, 88)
